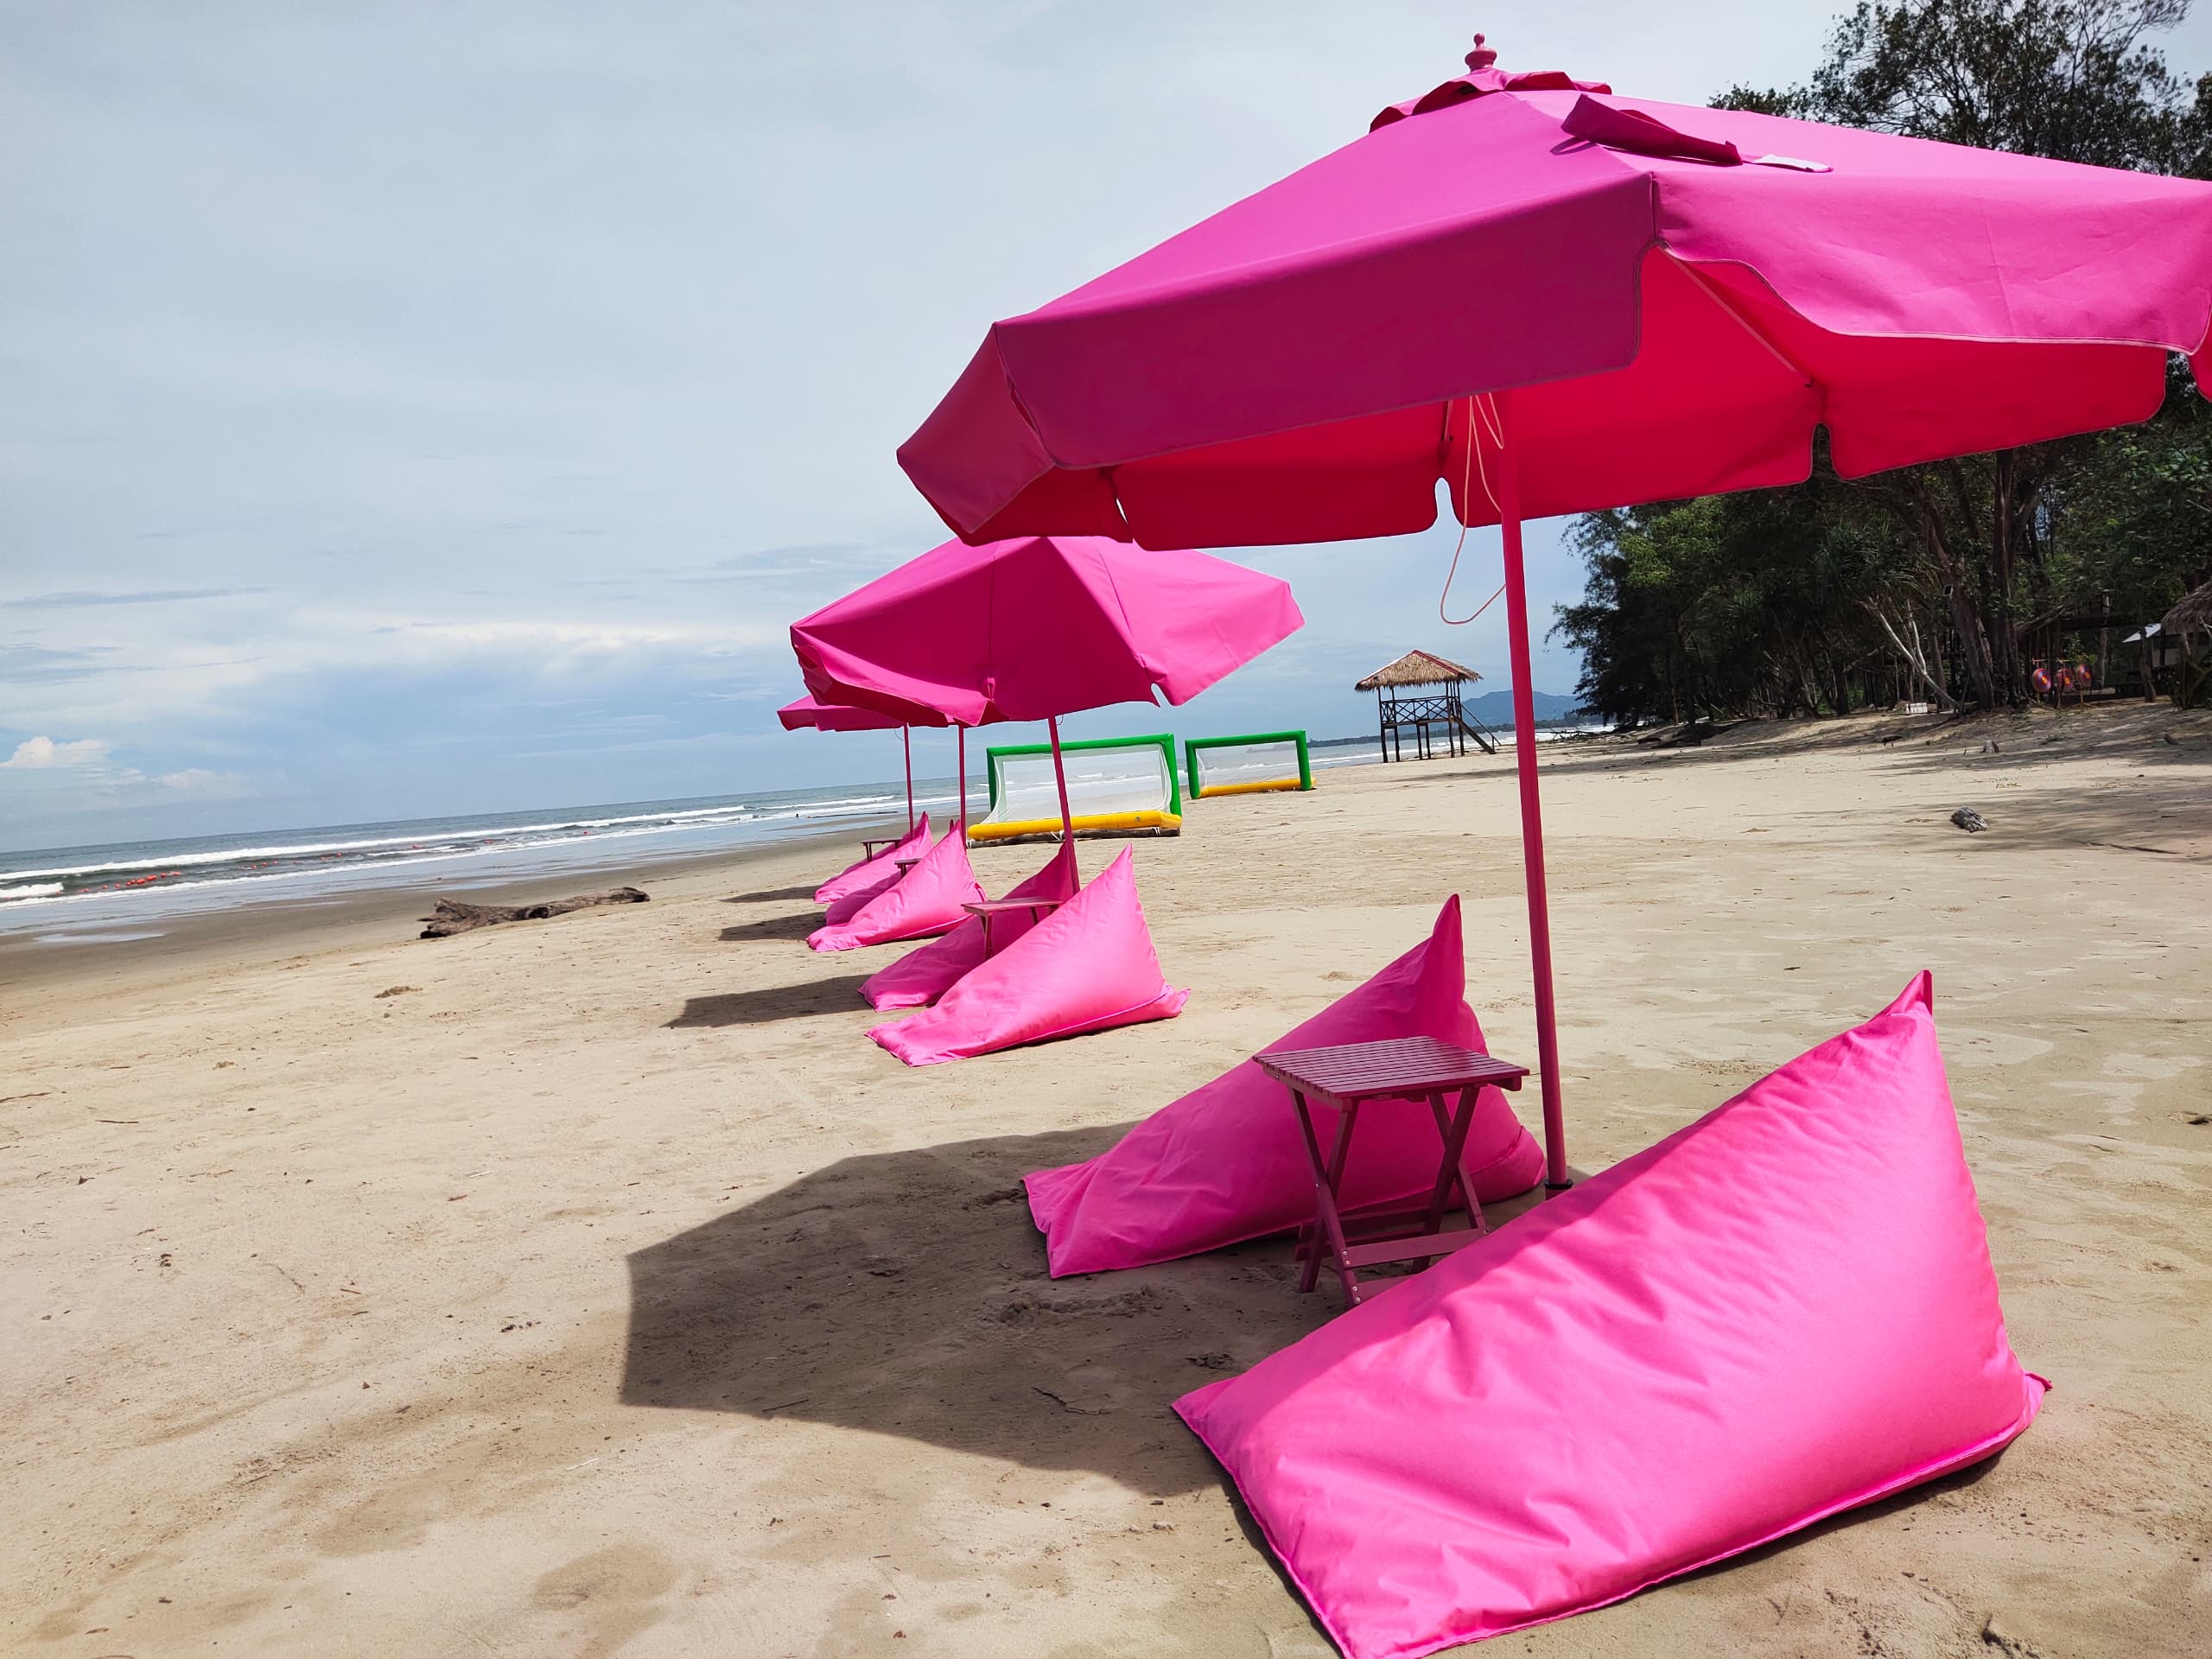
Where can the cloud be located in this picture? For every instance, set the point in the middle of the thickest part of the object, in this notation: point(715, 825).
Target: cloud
point(145, 596)
point(28, 664)
point(483, 376)
point(201, 784)
point(37, 754)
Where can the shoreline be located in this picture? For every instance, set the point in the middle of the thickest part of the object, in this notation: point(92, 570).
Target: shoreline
point(262, 927)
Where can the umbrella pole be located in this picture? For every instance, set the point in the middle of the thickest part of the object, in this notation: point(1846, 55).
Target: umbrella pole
point(1060, 777)
point(906, 742)
point(1531, 816)
point(961, 732)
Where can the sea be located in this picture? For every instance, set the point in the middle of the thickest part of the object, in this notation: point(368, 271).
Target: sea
point(125, 890)
point(128, 890)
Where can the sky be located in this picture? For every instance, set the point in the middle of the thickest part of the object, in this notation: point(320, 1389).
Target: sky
point(421, 410)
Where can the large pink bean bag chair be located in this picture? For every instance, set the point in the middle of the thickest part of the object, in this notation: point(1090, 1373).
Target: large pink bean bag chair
point(1783, 1311)
point(1087, 966)
point(927, 900)
point(875, 875)
point(837, 911)
point(924, 974)
point(1226, 1162)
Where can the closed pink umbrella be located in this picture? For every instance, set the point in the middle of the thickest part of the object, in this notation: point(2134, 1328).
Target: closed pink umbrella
point(1040, 626)
point(1558, 301)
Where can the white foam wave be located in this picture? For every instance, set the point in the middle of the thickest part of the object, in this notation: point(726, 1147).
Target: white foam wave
point(37, 890)
point(505, 835)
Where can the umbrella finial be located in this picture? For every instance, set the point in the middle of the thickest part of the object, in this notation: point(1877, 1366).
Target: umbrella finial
point(1482, 57)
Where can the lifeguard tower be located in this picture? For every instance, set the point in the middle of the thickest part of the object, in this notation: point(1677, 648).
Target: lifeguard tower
point(1420, 692)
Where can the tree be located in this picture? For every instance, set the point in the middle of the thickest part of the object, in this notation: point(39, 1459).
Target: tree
point(1765, 602)
point(1984, 547)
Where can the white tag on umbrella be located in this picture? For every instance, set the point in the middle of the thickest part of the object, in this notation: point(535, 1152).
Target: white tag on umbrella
point(1790, 161)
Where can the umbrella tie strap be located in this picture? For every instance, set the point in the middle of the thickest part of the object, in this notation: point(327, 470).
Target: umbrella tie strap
point(1496, 427)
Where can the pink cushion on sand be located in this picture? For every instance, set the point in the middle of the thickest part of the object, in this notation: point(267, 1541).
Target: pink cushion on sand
point(1784, 1310)
point(924, 974)
point(846, 905)
point(1086, 967)
point(927, 900)
point(877, 873)
point(1226, 1162)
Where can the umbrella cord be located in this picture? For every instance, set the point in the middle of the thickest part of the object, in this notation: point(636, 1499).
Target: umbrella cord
point(1466, 483)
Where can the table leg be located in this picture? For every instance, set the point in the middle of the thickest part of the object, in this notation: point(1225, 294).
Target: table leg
point(1348, 1115)
point(1312, 1239)
point(1455, 1142)
point(1469, 1098)
point(1328, 1229)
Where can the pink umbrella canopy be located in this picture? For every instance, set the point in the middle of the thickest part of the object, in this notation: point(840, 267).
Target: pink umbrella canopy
point(810, 714)
point(806, 713)
point(1558, 301)
point(1680, 306)
point(1040, 626)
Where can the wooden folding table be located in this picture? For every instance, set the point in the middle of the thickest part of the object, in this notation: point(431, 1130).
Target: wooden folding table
point(985, 909)
point(1350, 1076)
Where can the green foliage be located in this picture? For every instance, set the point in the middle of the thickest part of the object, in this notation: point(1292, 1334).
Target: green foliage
point(1729, 604)
point(2138, 512)
point(2068, 78)
point(1959, 572)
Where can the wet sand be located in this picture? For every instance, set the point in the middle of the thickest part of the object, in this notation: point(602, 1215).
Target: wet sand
point(606, 1291)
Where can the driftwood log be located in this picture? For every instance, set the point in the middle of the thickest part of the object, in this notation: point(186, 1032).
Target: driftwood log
point(454, 917)
point(1687, 736)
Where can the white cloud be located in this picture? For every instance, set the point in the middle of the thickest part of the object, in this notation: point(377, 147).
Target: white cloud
point(37, 754)
point(200, 784)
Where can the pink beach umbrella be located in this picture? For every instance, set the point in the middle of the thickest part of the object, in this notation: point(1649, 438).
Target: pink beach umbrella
point(1040, 626)
point(812, 713)
point(1556, 300)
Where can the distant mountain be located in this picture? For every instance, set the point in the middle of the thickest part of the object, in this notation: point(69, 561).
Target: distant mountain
point(1495, 708)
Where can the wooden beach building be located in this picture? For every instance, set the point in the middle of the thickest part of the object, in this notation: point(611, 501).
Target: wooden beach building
point(2180, 627)
point(1420, 692)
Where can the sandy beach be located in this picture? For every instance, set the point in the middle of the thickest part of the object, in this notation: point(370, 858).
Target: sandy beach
point(595, 1286)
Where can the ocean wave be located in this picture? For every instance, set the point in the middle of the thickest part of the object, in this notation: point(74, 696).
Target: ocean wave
point(135, 880)
point(503, 835)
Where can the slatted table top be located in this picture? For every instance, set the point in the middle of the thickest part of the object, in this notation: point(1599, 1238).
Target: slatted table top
point(1398, 1067)
point(1005, 906)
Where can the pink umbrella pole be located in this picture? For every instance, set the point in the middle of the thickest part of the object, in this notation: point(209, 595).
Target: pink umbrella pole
point(1532, 814)
point(960, 732)
point(906, 743)
point(1060, 777)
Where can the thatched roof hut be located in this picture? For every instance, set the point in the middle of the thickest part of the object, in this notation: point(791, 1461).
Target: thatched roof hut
point(1416, 668)
point(2192, 615)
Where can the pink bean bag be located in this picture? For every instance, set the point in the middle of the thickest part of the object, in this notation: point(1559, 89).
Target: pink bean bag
point(1087, 966)
point(1226, 1162)
point(924, 974)
point(837, 911)
point(1785, 1310)
point(926, 900)
point(874, 874)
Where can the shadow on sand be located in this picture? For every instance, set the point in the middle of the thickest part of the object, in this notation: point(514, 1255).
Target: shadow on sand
point(773, 927)
point(905, 1294)
point(774, 1002)
point(770, 895)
